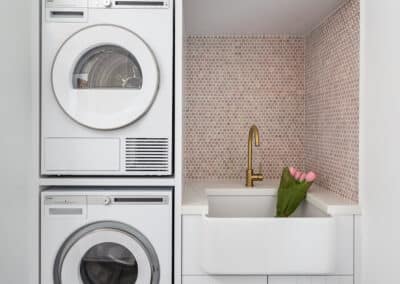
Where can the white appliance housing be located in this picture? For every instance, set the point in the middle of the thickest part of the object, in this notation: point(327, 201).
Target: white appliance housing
point(107, 88)
point(106, 236)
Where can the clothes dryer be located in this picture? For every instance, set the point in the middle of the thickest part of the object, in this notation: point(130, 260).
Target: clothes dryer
point(107, 88)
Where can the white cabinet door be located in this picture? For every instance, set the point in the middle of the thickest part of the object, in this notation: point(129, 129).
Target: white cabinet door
point(344, 245)
point(224, 280)
point(240, 280)
point(191, 225)
point(196, 280)
point(339, 280)
point(310, 280)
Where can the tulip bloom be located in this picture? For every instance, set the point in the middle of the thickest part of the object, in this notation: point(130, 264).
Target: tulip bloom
point(310, 177)
point(292, 190)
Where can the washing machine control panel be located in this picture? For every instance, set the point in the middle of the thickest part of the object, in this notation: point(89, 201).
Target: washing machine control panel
point(128, 4)
point(66, 3)
point(64, 200)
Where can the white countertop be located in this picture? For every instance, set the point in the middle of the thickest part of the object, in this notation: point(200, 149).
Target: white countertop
point(195, 198)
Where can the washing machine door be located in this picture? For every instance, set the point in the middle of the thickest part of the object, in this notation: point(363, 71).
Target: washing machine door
point(105, 77)
point(107, 253)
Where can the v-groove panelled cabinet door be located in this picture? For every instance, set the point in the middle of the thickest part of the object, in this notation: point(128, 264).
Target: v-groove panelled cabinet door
point(310, 280)
point(234, 279)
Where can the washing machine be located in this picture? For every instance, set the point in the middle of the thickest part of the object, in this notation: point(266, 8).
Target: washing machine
point(107, 88)
point(106, 237)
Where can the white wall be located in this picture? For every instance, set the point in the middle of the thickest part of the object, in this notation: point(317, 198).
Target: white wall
point(380, 141)
point(14, 139)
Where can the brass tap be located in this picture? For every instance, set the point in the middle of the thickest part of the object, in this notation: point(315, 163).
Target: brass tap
point(250, 175)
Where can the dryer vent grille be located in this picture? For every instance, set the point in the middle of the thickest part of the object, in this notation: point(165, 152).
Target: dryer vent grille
point(147, 155)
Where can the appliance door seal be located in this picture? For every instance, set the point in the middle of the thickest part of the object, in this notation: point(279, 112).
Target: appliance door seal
point(106, 252)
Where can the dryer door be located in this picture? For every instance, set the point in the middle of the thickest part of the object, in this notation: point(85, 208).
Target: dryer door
point(105, 77)
point(107, 253)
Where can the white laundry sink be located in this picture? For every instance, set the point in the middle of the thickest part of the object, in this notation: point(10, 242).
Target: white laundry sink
point(240, 235)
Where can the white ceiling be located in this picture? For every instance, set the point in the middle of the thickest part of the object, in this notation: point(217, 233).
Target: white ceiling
point(220, 17)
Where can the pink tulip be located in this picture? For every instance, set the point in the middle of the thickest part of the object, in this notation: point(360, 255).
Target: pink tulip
point(302, 177)
point(292, 171)
point(310, 176)
point(298, 175)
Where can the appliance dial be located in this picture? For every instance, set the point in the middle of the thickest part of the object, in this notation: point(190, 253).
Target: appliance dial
point(107, 3)
point(107, 201)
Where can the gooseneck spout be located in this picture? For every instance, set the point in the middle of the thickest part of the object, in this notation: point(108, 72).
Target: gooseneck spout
point(250, 176)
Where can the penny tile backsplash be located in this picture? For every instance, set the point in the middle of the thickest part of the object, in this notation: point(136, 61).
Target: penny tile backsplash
point(301, 92)
point(232, 83)
point(332, 101)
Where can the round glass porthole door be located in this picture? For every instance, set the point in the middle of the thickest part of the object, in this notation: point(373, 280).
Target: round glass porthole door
point(107, 253)
point(108, 263)
point(105, 77)
point(108, 66)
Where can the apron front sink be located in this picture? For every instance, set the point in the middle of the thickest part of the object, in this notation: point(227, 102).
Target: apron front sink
point(240, 235)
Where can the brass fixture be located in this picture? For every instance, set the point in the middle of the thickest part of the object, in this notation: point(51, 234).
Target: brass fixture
point(250, 175)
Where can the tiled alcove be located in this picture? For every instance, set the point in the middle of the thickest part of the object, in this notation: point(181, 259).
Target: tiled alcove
point(302, 93)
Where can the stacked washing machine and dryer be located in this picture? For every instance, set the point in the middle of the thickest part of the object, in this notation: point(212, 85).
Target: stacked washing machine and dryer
point(107, 110)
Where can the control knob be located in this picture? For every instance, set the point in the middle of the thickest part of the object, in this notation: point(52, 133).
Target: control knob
point(107, 201)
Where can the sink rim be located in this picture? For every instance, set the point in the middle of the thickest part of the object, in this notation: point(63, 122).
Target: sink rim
point(241, 191)
point(205, 216)
point(227, 194)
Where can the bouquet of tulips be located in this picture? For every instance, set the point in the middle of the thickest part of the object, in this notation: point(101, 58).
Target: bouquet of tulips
point(292, 190)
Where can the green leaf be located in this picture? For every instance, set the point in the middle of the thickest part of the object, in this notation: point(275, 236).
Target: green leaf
point(291, 194)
